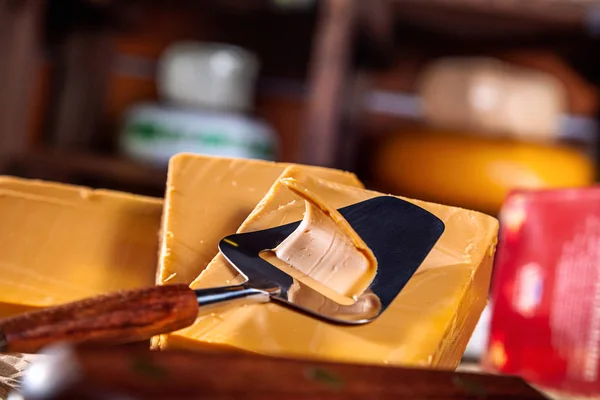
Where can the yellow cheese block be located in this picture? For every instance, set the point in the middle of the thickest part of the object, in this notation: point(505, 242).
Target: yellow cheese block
point(207, 198)
point(474, 172)
point(428, 324)
point(61, 243)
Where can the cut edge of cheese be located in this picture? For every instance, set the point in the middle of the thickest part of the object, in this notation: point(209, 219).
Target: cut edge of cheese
point(65, 190)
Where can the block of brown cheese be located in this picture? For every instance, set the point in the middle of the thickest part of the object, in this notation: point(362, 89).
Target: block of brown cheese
point(428, 324)
point(61, 243)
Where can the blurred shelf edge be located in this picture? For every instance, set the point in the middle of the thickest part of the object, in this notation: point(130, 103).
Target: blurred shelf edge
point(331, 51)
point(565, 14)
point(110, 172)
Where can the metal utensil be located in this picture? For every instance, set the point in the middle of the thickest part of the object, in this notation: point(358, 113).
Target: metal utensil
point(399, 233)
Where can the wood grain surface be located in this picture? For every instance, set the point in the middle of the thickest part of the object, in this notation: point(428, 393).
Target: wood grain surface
point(142, 374)
point(121, 317)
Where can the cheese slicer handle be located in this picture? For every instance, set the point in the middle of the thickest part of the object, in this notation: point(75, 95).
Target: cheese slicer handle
point(121, 317)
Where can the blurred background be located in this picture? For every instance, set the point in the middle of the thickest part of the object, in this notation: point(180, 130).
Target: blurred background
point(453, 101)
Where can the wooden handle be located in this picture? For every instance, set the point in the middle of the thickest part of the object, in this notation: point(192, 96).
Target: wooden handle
point(115, 318)
point(129, 373)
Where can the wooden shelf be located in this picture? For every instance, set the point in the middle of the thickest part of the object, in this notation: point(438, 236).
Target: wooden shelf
point(80, 39)
point(559, 13)
point(84, 168)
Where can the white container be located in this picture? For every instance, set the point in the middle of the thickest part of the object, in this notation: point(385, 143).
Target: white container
point(207, 75)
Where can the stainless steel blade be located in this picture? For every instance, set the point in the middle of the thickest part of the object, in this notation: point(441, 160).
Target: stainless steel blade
point(399, 233)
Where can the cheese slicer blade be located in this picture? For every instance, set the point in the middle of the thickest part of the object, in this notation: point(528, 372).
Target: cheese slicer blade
point(399, 233)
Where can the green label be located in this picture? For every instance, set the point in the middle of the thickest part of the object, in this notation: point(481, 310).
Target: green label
point(150, 132)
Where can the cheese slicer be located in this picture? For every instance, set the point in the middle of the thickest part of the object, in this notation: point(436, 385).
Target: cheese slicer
point(399, 233)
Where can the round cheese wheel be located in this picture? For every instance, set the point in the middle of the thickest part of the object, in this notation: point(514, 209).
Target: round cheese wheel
point(473, 172)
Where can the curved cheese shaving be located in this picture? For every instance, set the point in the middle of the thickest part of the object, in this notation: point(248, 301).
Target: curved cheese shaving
point(325, 247)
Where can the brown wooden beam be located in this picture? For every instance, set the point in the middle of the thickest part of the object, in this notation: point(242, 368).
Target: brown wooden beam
point(376, 21)
point(487, 18)
point(328, 74)
point(83, 68)
point(128, 372)
point(20, 43)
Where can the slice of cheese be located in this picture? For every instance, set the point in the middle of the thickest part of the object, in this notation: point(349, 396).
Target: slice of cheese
point(428, 324)
point(325, 248)
point(62, 243)
point(207, 198)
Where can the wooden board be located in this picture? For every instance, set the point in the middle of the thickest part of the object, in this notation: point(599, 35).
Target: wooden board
point(133, 373)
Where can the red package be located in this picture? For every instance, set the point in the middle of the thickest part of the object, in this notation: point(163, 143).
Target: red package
point(545, 323)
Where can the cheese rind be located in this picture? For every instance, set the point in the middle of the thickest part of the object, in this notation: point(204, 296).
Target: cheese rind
point(207, 198)
point(428, 324)
point(61, 243)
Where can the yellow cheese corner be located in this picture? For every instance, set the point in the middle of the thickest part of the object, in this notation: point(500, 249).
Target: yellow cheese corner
point(428, 324)
point(207, 198)
point(61, 243)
